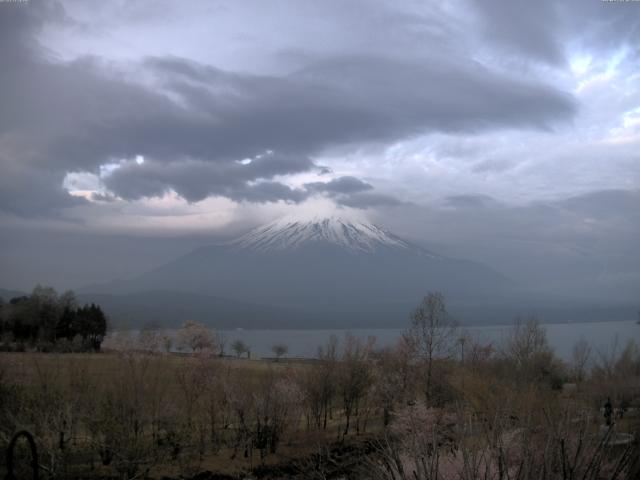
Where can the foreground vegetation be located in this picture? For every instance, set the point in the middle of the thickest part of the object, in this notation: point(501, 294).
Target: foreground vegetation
point(437, 405)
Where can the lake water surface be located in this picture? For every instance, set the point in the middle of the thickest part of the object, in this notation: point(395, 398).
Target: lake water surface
point(603, 337)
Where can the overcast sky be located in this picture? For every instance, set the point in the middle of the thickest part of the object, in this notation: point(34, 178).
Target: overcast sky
point(506, 132)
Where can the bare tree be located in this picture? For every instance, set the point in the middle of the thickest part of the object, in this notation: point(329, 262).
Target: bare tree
point(526, 340)
point(432, 333)
point(416, 446)
point(531, 357)
point(123, 420)
point(240, 347)
point(242, 406)
point(276, 408)
point(192, 375)
point(149, 339)
point(166, 342)
point(393, 378)
point(556, 444)
point(628, 363)
point(354, 377)
point(318, 385)
point(580, 357)
point(196, 337)
point(279, 349)
point(221, 343)
point(328, 356)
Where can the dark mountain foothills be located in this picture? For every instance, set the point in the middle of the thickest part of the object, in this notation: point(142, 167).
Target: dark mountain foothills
point(170, 309)
point(7, 295)
point(325, 272)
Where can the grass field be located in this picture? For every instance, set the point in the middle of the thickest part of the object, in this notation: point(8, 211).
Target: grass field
point(133, 414)
point(67, 391)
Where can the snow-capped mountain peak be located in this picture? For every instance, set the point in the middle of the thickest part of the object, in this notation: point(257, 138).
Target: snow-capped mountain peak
point(292, 233)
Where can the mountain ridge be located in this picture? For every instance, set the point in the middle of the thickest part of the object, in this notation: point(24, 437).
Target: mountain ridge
point(323, 272)
point(349, 271)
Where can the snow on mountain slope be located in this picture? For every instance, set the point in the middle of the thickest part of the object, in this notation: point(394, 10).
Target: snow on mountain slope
point(309, 271)
point(291, 233)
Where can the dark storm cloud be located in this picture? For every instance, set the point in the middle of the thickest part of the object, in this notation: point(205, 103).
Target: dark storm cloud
point(19, 21)
point(528, 28)
point(195, 180)
point(267, 192)
point(352, 192)
point(103, 197)
point(356, 99)
point(398, 99)
point(539, 30)
point(76, 116)
point(341, 185)
point(30, 191)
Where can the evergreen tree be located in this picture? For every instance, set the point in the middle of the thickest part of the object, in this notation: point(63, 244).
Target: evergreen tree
point(45, 316)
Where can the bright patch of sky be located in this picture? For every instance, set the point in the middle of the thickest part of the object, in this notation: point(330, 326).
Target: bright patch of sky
point(84, 184)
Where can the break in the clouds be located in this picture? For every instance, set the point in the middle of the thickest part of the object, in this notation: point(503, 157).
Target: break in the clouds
point(212, 114)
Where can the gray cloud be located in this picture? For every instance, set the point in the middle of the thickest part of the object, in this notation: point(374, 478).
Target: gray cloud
point(364, 200)
point(469, 201)
point(195, 180)
point(75, 116)
point(268, 192)
point(427, 103)
point(598, 25)
point(341, 185)
point(103, 197)
point(29, 191)
point(539, 30)
point(352, 192)
point(523, 27)
point(584, 246)
point(606, 204)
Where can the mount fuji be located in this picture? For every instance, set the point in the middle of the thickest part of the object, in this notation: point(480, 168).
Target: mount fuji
point(318, 272)
point(292, 234)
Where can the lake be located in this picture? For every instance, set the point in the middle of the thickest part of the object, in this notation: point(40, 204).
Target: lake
point(603, 337)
